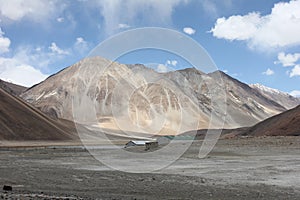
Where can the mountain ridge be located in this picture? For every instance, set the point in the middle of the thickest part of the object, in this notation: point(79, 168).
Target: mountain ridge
point(21, 121)
point(284, 98)
point(283, 124)
point(245, 105)
point(12, 88)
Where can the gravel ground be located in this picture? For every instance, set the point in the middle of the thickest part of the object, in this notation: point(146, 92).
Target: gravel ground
point(249, 168)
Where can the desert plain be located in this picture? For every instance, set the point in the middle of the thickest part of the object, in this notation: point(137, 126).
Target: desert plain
point(238, 168)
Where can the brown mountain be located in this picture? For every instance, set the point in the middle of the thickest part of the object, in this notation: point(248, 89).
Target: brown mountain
point(12, 88)
point(139, 99)
point(20, 121)
point(284, 124)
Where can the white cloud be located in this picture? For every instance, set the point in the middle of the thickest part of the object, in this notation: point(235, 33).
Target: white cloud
point(33, 9)
point(26, 64)
point(81, 45)
point(4, 42)
point(162, 68)
point(13, 71)
point(295, 93)
point(151, 12)
point(269, 72)
point(295, 71)
point(278, 29)
point(80, 40)
point(123, 26)
point(60, 19)
point(287, 60)
point(168, 66)
point(24, 75)
point(172, 62)
point(37, 57)
point(237, 27)
point(55, 49)
point(189, 30)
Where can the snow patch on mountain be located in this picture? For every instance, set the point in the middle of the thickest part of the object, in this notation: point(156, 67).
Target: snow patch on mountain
point(268, 89)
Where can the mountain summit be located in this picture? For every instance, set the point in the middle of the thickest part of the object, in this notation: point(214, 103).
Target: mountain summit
point(283, 98)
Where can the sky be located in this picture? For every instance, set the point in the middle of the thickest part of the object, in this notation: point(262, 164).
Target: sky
point(253, 41)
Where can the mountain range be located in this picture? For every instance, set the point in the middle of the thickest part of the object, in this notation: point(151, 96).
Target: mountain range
point(139, 99)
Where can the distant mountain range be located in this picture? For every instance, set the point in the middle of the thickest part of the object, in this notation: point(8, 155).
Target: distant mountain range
point(148, 97)
point(48, 115)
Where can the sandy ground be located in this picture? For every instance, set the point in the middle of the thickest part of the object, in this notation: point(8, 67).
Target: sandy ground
point(249, 168)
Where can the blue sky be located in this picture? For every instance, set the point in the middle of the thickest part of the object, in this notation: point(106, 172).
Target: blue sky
point(254, 41)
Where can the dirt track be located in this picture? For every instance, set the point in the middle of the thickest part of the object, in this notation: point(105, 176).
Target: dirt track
point(260, 168)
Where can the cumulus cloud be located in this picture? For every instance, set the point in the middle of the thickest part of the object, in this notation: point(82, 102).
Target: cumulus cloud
point(27, 64)
point(32, 9)
point(295, 71)
point(12, 70)
point(4, 42)
point(162, 68)
point(37, 57)
point(151, 12)
point(172, 62)
point(269, 72)
point(287, 60)
point(278, 29)
point(80, 40)
point(24, 65)
point(295, 93)
point(24, 75)
point(55, 49)
point(237, 27)
point(189, 30)
point(168, 66)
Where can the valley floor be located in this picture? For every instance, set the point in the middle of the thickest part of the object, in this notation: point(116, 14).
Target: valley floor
point(248, 168)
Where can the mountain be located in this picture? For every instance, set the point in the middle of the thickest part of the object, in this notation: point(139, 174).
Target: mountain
point(12, 88)
point(20, 121)
point(282, 98)
point(138, 99)
point(284, 124)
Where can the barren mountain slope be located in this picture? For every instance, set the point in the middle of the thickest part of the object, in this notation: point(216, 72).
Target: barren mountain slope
point(12, 88)
point(284, 124)
point(20, 121)
point(282, 98)
point(136, 98)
